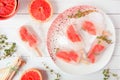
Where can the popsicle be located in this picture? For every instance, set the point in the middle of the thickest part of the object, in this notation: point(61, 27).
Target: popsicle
point(99, 46)
point(27, 35)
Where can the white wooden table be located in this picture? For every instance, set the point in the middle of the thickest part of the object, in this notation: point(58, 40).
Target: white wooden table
point(110, 7)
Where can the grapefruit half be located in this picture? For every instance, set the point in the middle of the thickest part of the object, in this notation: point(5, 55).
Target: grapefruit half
point(40, 10)
point(7, 8)
point(32, 74)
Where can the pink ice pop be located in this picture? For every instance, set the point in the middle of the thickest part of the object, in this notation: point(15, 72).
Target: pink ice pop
point(99, 46)
point(29, 37)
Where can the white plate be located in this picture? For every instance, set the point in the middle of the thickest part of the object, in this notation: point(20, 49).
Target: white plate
point(77, 69)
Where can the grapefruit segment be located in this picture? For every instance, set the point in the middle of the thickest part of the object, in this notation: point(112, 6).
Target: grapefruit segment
point(91, 57)
point(40, 10)
point(32, 40)
point(23, 33)
point(98, 48)
point(32, 74)
point(63, 55)
point(68, 56)
point(7, 7)
point(27, 36)
point(72, 35)
point(74, 56)
point(89, 27)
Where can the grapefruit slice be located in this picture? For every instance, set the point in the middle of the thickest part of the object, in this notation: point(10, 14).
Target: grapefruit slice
point(63, 55)
point(40, 10)
point(74, 56)
point(32, 74)
point(72, 35)
point(91, 56)
point(23, 33)
point(7, 8)
point(89, 27)
point(32, 40)
point(68, 56)
point(27, 36)
point(98, 48)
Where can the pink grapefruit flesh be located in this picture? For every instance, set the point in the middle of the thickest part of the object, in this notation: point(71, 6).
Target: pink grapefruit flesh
point(72, 35)
point(68, 56)
point(63, 55)
point(89, 27)
point(40, 10)
point(74, 56)
point(27, 36)
point(91, 57)
point(98, 48)
point(7, 8)
point(32, 74)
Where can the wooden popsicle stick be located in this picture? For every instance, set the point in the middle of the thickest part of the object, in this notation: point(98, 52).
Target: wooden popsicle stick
point(38, 51)
point(10, 74)
point(84, 58)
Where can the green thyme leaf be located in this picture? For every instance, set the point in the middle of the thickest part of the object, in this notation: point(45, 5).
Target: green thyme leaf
point(58, 76)
point(104, 38)
point(81, 14)
point(6, 48)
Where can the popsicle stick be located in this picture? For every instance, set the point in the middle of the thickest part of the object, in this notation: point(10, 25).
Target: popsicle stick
point(38, 51)
point(10, 74)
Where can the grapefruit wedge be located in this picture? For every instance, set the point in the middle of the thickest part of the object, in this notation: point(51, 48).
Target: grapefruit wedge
point(72, 34)
point(68, 56)
point(32, 74)
point(64, 56)
point(40, 10)
point(7, 8)
point(89, 27)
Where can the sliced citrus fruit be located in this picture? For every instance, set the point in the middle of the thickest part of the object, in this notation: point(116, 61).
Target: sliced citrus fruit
point(89, 27)
point(40, 10)
point(98, 48)
point(32, 74)
point(23, 33)
point(72, 35)
point(27, 36)
point(8, 8)
point(91, 57)
point(74, 56)
point(32, 40)
point(63, 55)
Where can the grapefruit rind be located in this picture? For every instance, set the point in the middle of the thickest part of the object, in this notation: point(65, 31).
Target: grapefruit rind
point(34, 70)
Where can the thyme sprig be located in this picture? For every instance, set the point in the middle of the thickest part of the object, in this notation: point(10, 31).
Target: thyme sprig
point(58, 76)
point(107, 74)
point(6, 48)
point(104, 38)
point(81, 13)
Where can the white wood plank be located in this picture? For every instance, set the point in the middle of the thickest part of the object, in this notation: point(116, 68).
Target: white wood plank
point(117, 36)
point(59, 6)
point(116, 20)
point(117, 50)
point(114, 63)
